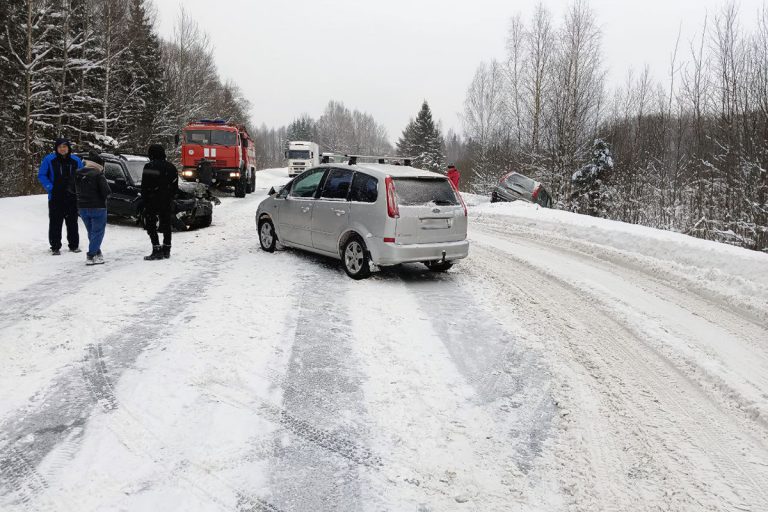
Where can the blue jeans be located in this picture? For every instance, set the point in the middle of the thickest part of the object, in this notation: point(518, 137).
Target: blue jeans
point(95, 220)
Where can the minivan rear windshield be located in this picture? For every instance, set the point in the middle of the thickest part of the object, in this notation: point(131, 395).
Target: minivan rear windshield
point(424, 191)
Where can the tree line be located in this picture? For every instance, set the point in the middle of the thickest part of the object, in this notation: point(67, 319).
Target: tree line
point(96, 72)
point(688, 153)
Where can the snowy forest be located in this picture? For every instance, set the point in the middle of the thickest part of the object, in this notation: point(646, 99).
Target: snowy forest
point(95, 72)
point(687, 153)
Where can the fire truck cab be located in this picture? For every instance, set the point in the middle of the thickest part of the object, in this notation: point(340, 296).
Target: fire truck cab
point(225, 149)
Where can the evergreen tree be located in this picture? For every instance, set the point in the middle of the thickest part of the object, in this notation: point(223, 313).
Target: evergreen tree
point(422, 140)
point(590, 192)
point(144, 75)
point(301, 128)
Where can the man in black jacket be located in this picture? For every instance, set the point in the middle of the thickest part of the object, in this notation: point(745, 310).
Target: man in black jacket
point(159, 187)
point(57, 170)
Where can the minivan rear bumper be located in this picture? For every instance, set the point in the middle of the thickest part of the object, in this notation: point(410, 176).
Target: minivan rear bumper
point(385, 254)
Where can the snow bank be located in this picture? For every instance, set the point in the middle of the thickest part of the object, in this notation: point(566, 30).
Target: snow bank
point(738, 275)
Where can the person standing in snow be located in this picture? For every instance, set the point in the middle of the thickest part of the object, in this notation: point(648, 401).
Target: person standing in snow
point(159, 187)
point(57, 170)
point(453, 175)
point(92, 190)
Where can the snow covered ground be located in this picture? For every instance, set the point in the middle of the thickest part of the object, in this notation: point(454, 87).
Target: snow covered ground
point(569, 363)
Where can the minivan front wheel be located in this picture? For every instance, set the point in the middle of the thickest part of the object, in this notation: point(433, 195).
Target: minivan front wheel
point(355, 259)
point(267, 237)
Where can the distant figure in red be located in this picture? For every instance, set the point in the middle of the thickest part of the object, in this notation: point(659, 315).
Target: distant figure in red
point(453, 175)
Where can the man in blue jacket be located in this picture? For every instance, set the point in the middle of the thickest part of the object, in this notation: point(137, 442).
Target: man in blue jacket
point(57, 172)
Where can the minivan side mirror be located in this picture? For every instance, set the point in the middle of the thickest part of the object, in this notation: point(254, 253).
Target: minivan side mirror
point(271, 191)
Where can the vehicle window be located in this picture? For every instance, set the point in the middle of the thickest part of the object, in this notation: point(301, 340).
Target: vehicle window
point(522, 181)
point(223, 138)
point(306, 186)
point(337, 184)
point(424, 191)
point(365, 188)
point(296, 154)
point(135, 169)
point(211, 137)
point(197, 136)
point(113, 171)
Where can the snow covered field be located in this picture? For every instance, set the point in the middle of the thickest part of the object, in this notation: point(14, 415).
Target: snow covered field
point(569, 363)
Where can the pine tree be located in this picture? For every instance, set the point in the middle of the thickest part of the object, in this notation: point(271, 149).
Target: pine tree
point(422, 140)
point(301, 128)
point(591, 194)
point(142, 121)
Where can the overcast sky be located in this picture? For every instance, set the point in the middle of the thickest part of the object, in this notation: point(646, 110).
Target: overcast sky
point(385, 56)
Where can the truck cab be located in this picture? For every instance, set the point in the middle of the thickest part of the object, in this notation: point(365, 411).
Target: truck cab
point(227, 151)
point(302, 155)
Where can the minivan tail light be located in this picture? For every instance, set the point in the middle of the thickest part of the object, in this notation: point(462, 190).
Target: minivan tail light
point(458, 194)
point(392, 209)
point(536, 192)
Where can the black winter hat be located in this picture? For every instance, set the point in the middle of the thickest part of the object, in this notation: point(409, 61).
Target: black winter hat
point(156, 152)
point(61, 141)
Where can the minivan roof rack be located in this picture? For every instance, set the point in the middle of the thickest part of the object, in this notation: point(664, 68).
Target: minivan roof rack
point(406, 160)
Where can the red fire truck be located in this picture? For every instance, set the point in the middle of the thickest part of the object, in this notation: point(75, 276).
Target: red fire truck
point(223, 152)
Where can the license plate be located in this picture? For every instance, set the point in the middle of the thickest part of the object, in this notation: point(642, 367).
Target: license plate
point(435, 223)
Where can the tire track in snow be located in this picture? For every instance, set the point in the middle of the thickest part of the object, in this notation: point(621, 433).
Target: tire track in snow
point(673, 423)
point(511, 380)
point(53, 415)
point(713, 327)
point(306, 476)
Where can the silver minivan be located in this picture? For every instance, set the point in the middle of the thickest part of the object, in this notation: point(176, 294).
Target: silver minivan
point(368, 214)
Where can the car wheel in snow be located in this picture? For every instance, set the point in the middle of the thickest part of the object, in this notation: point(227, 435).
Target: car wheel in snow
point(267, 237)
point(355, 259)
point(439, 266)
point(205, 221)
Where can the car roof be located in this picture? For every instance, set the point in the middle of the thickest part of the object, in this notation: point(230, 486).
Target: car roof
point(384, 170)
point(122, 157)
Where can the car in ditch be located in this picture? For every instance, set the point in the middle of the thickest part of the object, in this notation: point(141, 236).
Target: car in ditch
point(514, 186)
point(193, 206)
point(368, 215)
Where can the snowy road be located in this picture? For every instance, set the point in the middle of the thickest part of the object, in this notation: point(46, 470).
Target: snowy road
point(568, 364)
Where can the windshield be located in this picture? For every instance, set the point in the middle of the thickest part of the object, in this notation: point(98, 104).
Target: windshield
point(296, 154)
point(424, 191)
point(210, 137)
point(135, 168)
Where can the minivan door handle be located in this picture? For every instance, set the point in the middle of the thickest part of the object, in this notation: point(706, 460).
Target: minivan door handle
point(305, 209)
point(339, 213)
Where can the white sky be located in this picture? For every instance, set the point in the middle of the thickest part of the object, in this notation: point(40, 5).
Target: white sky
point(385, 57)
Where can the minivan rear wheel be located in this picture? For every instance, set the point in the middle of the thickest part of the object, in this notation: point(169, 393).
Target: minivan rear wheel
point(439, 266)
point(355, 259)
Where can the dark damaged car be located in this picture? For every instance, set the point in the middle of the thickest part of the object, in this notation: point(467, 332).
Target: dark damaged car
point(193, 205)
point(516, 187)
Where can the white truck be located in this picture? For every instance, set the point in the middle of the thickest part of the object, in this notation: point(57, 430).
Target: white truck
point(302, 155)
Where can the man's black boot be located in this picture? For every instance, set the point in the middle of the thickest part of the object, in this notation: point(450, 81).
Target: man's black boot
point(157, 253)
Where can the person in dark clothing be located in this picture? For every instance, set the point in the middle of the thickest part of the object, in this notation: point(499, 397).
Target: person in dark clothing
point(159, 187)
point(57, 170)
point(92, 191)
